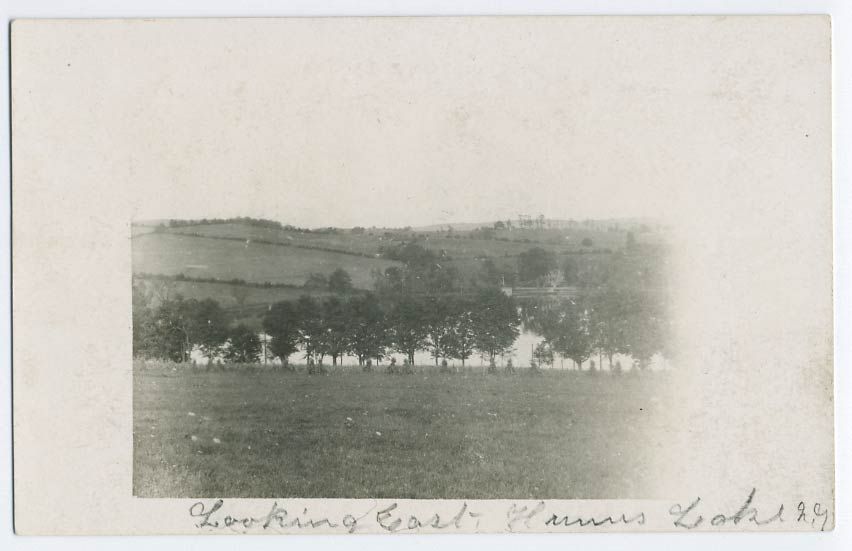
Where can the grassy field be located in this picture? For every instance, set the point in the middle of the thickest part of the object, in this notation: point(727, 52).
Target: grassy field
point(343, 241)
point(172, 254)
point(429, 435)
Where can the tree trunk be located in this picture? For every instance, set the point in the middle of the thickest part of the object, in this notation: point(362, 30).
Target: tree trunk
point(187, 349)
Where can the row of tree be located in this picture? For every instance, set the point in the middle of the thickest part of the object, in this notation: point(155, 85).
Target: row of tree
point(247, 220)
point(366, 326)
point(603, 322)
point(175, 326)
point(244, 220)
point(369, 326)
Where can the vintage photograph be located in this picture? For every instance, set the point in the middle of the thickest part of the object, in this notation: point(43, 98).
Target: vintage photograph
point(520, 357)
point(423, 274)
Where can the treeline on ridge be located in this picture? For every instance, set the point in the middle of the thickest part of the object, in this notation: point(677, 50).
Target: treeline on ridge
point(247, 220)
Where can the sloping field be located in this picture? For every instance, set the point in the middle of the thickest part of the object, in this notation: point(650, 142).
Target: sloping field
point(357, 244)
point(172, 254)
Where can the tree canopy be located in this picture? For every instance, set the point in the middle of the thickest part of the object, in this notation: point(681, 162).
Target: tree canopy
point(534, 264)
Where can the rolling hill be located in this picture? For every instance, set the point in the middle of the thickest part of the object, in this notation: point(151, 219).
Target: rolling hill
point(199, 257)
point(247, 266)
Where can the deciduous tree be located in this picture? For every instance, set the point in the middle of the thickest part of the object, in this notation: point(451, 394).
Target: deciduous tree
point(208, 326)
point(440, 320)
point(367, 328)
point(336, 322)
point(462, 341)
point(407, 327)
point(243, 345)
point(340, 281)
point(496, 322)
point(282, 323)
point(535, 263)
point(312, 330)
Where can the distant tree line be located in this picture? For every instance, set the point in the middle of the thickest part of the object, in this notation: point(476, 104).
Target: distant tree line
point(258, 222)
point(247, 220)
point(232, 281)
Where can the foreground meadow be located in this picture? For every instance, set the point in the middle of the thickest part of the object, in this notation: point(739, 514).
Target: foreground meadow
point(559, 434)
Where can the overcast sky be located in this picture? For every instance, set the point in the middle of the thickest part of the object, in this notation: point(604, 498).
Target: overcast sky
point(371, 122)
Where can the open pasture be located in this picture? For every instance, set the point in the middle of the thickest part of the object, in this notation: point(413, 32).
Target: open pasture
point(428, 435)
point(172, 254)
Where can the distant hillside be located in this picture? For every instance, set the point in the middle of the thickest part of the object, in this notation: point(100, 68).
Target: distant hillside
point(452, 244)
point(213, 257)
point(174, 253)
point(620, 224)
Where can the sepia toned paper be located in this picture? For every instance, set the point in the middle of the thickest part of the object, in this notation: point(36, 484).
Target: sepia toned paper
point(717, 128)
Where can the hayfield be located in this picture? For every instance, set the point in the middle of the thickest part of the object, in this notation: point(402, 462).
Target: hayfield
point(258, 433)
point(172, 254)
